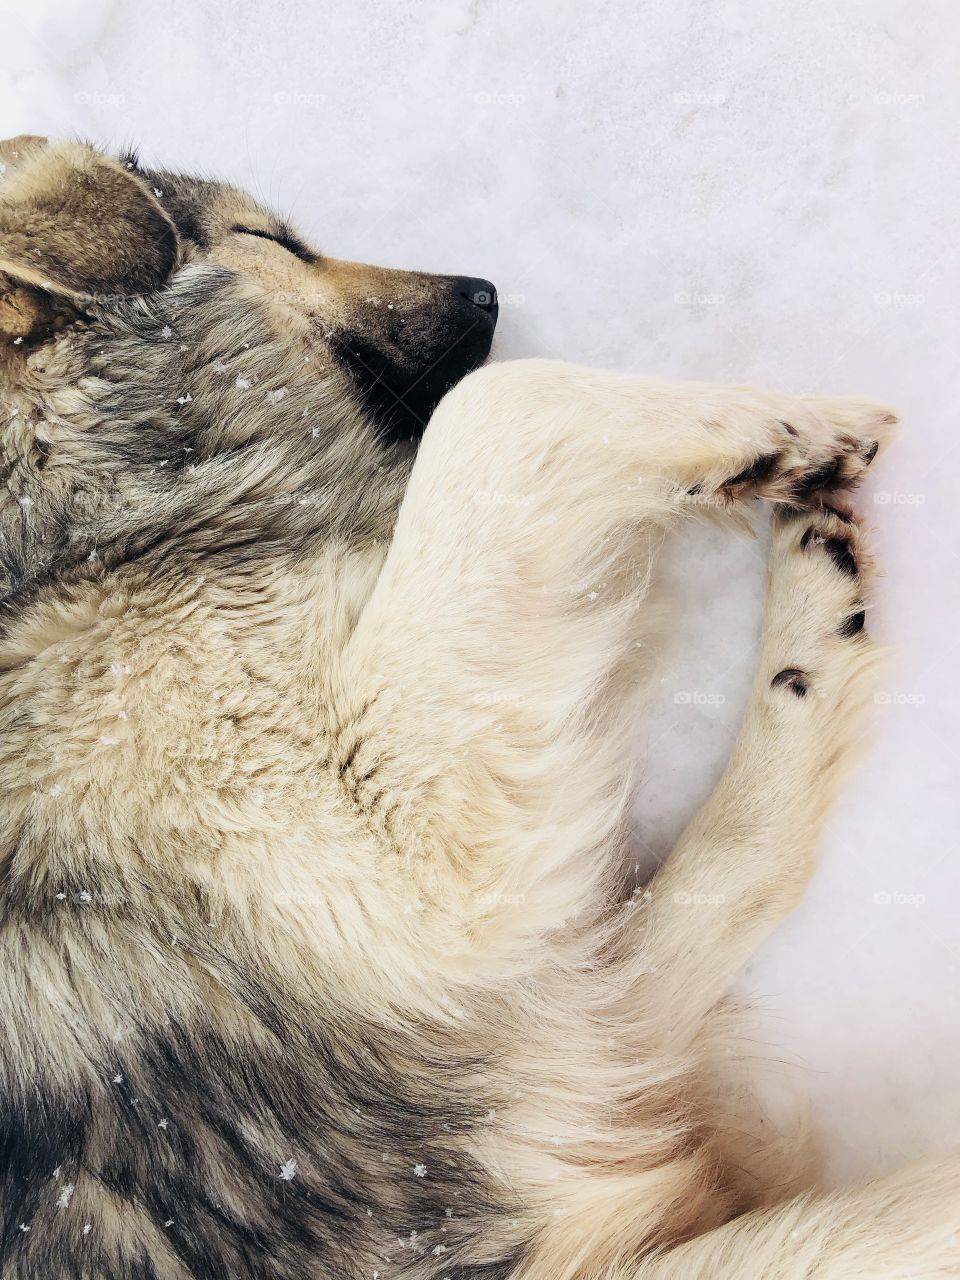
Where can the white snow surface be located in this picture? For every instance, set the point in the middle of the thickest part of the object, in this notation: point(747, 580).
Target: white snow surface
point(695, 188)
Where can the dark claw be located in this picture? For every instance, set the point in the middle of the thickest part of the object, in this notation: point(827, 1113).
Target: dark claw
point(793, 679)
point(842, 556)
point(785, 510)
point(853, 624)
point(824, 477)
point(759, 470)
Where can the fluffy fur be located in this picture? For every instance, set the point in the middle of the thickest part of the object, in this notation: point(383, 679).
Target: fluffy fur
point(318, 954)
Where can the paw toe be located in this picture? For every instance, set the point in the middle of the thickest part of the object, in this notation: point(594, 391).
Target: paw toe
point(791, 678)
point(854, 624)
point(827, 476)
point(841, 555)
point(762, 469)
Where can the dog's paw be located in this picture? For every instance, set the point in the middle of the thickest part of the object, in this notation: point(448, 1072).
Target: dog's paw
point(815, 448)
point(818, 593)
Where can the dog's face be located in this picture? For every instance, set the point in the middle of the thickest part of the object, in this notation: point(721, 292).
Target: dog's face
point(80, 231)
point(178, 367)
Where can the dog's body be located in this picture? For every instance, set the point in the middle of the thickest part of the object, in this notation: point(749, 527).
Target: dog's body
point(318, 954)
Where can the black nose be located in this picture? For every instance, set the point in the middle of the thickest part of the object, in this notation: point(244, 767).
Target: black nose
point(478, 291)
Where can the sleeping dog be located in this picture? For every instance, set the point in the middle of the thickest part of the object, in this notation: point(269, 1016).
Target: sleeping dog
point(319, 956)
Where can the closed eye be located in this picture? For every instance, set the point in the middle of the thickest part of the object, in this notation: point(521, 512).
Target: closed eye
point(283, 238)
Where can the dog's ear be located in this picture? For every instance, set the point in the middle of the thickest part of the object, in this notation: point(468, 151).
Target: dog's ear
point(74, 226)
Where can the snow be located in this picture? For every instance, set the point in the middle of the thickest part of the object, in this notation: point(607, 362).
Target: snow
point(700, 188)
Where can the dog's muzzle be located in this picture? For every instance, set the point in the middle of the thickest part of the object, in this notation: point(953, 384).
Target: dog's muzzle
point(430, 349)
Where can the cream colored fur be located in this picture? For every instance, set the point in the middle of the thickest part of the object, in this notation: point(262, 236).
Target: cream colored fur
point(374, 782)
point(494, 663)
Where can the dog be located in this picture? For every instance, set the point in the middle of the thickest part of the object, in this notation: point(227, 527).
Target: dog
point(321, 955)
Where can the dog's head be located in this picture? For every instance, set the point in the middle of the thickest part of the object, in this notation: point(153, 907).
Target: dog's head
point(81, 232)
point(178, 368)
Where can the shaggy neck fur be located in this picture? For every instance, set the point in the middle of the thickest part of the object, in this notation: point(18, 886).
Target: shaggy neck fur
point(181, 425)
